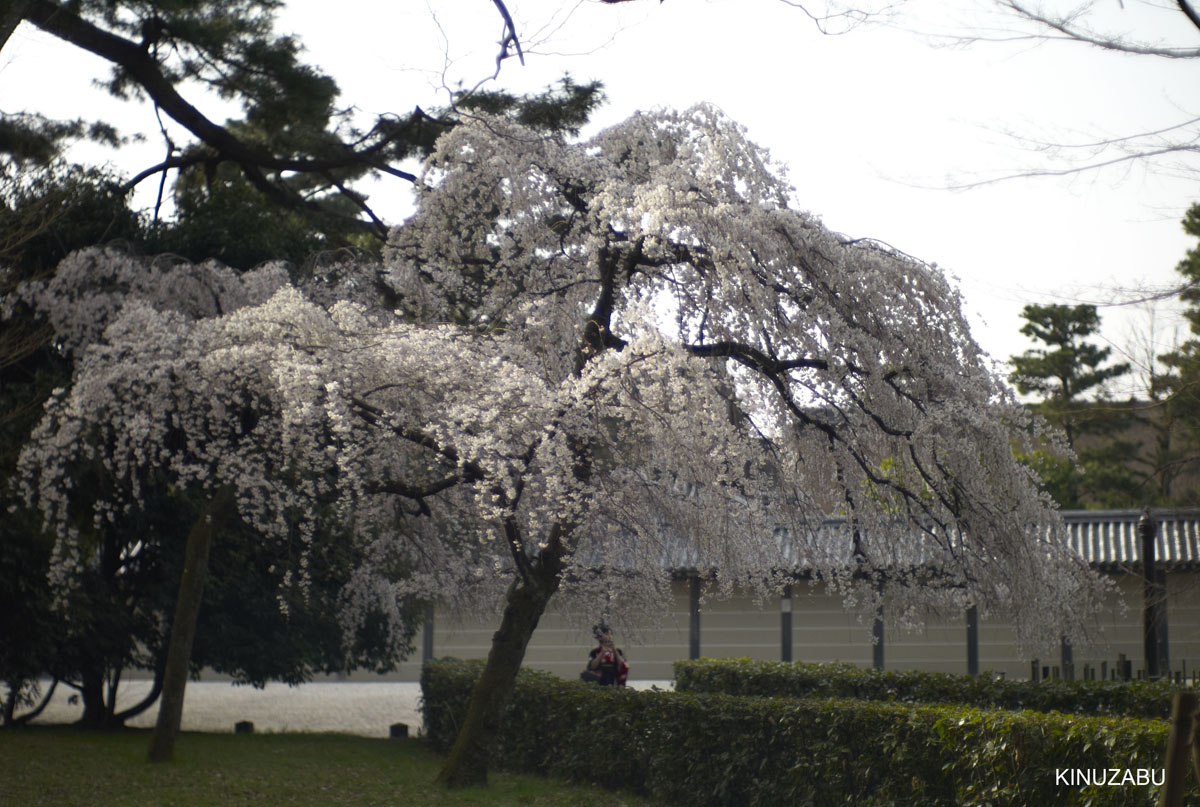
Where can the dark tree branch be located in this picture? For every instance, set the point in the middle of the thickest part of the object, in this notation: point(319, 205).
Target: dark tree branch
point(509, 37)
point(596, 330)
point(516, 547)
point(378, 417)
point(381, 229)
point(145, 703)
point(418, 494)
point(10, 17)
point(143, 68)
point(1189, 12)
point(61, 22)
point(21, 720)
point(754, 358)
point(164, 166)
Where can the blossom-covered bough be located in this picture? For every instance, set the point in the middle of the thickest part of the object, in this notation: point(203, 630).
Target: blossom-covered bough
point(610, 359)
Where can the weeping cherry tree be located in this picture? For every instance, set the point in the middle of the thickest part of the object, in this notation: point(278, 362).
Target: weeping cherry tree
point(607, 358)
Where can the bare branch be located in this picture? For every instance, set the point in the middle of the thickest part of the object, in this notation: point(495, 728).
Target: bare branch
point(1069, 28)
point(1079, 169)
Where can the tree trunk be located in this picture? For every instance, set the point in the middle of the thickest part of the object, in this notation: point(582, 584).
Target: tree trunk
point(10, 704)
point(467, 765)
point(95, 710)
point(183, 627)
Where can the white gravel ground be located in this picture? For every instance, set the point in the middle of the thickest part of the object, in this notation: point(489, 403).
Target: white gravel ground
point(365, 708)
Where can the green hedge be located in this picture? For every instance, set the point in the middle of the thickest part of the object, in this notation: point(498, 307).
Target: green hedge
point(723, 750)
point(1148, 699)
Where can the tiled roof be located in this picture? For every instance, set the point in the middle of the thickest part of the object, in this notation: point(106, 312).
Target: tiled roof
point(1109, 539)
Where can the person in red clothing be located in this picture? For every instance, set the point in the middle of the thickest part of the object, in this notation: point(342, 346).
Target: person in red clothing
point(606, 664)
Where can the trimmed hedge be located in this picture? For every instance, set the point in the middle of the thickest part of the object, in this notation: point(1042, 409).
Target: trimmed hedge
point(724, 750)
point(1145, 699)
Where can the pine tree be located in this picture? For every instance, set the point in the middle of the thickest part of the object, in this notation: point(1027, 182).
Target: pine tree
point(1064, 373)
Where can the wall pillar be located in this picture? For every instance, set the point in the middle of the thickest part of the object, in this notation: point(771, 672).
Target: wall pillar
point(972, 640)
point(427, 637)
point(694, 621)
point(1151, 598)
point(877, 640)
point(785, 624)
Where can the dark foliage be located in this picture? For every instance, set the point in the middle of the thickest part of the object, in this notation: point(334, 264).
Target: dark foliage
point(724, 750)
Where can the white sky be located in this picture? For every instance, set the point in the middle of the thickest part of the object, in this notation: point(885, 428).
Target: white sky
point(872, 124)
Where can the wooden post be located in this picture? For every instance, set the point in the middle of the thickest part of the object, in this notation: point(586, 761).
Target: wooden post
point(1162, 623)
point(1068, 660)
point(972, 640)
point(785, 624)
point(1183, 728)
point(694, 621)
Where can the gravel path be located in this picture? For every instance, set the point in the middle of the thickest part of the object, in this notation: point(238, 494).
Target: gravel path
point(368, 709)
point(365, 708)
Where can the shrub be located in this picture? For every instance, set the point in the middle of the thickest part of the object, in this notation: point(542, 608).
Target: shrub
point(719, 750)
point(1146, 699)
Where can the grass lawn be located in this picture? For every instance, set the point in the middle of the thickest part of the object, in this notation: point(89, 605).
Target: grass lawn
point(66, 767)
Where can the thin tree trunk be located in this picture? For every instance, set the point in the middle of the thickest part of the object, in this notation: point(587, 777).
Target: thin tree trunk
point(10, 704)
point(95, 711)
point(110, 707)
point(183, 627)
point(467, 765)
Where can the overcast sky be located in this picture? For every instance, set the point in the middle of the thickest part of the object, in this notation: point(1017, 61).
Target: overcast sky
point(873, 124)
